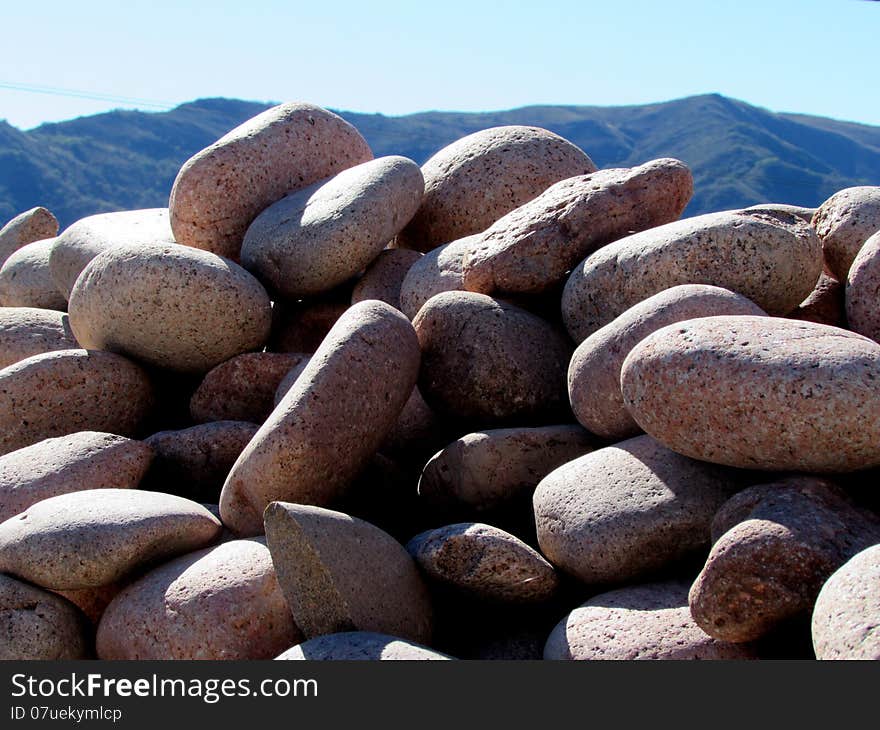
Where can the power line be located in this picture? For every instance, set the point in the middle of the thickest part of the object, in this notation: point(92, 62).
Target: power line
point(78, 94)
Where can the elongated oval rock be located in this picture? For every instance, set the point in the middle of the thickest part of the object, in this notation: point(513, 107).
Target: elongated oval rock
point(27, 331)
point(317, 238)
point(62, 392)
point(594, 371)
point(485, 469)
point(98, 536)
point(83, 460)
point(826, 304)
point(486, 361)
point(472, 182)
point(436, 272)
point(339, 573)
point(80, 242)
point(170, 306)
point(844, 623)
point(242, 388)
point(773, 258)
point(36, 624)
point(331, 421)
point(223, 602)
point(759, 392)
point(628, 509)
point(360, 646)
point(783, 540)
point(650, 621)
point(220, 190)
point(533, 247)
point(862, 289)
point(484, 562)
point(844, 222)
point(384, 278)
point(35, 224)
point(25, 280)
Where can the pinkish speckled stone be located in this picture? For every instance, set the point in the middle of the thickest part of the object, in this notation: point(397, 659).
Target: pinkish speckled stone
point(863, 290)
point(35, 224)
point(844, 222)
point(436, 272)
point(25, 279)
point(27, 331)
point(384, 277)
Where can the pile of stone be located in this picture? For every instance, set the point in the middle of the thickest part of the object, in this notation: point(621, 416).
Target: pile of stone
point(505, 405)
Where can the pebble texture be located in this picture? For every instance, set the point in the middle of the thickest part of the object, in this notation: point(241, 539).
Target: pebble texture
point(169, 306)
point(483, 470)
point(360, 646)
point(383, 278)
point(242, 388)
point(594, 370)
point(319, 237)
point(775, 546)
point(436, 272)
point(223, 602)
point(331, 422)
point(86, 238)
point(98, 536)
point(35, 224)
point(650, 621)
point(474, 181)
point(220, 190)
point(27, 331)
point(36, 624)
point(194, 462)
point(533, 247)
point(774, 259)
point(289, 379)
point(59, 393)
point(484, 562)
point(759, 392)
point(339, 573)
point(628, 509)
point(83, 460)
point(302, 326)
point(845, 622)
point(25, 280)
point(488, 362)
point(825, 305)
point(844, 222)
point(863, 290)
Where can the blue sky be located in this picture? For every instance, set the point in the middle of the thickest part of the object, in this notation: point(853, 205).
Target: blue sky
point(811, 56)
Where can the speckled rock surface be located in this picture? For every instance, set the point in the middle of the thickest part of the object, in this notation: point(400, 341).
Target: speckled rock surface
point(83, 460)
point(844, 624)
point(472, 182)
point(489, 362)
point(26, 331)
point(436, 272)
point(98, 536)
point(220, 603)
point(25, 280)
point(759, 392)
point(37, 624)
point(826, 304)
point(774, 259)
point(35, 224)
point(62, 392)
point(594, 370)
point(170, 306)
point(93, 601)
point(360, 646)
point(863, 290)
point(805, 214)
point(289, 379)
point(302, 326)
point(844, 222)
point(80, 242)
point(339, 573)
point(333, 419)
point(242, 388)
point(319, 237)
point(194, 462)
point(649, 621)
point(220, 190)
point(533, 247)
point(484, 562)
point(775, 545)
point(485, 469)
point(628, 509)
point(384, 277)
point(417, 429)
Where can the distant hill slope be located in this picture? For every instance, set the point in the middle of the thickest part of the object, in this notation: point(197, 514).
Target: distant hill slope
point(740, 155)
